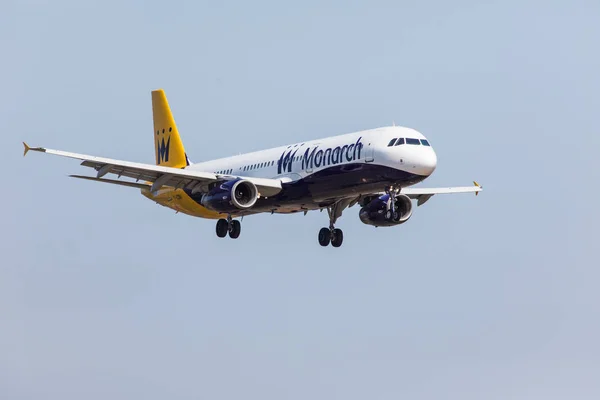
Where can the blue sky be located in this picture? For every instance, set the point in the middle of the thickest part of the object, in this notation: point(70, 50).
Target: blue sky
point(106, 294)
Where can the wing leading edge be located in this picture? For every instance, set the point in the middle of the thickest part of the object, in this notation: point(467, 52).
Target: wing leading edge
point(197, 181)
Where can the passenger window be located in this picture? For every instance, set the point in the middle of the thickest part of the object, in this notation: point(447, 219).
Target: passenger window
point(412, 141)
point(391, 143)
point(425, 142)
point(400, 141)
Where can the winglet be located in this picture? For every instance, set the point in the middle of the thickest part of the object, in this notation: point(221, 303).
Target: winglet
point(478, 185)
point(27, 148)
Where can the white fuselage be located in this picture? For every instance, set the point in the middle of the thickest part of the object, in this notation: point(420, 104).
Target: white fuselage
point(373, 149)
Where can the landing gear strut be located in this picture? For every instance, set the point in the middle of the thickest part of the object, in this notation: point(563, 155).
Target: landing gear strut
point(391, 213)
point(333, 235)
point(231, 226)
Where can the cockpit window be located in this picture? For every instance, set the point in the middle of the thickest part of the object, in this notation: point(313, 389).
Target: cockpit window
point(400, 141)
point(391, 143)
point(425, 142)
point(412, 141)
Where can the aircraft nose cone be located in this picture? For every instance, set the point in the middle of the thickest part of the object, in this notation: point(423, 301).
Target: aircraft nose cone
point(432, 162)
point(427, 163)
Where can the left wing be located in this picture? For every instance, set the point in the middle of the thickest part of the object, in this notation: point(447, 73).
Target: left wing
point(423, 194)
point(197, 181)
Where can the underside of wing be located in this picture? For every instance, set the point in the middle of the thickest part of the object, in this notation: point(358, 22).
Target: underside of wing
point(157, 176)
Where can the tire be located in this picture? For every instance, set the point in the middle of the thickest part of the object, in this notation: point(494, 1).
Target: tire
point(388, 215)
point(396, 216)
point(338, 238)
point(324, 237)
point(236, 229)
point(222, 228)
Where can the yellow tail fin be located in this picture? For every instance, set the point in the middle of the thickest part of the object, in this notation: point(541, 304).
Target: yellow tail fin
point(167, 143)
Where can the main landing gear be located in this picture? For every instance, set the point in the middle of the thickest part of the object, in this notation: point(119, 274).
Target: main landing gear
point(333, 235)
point(231, 226)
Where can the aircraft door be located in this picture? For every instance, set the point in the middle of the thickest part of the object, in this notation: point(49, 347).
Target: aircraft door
point(370, 152)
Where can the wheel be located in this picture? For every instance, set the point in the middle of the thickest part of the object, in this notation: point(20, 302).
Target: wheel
point(388, 215)
point(324, 236)
point(337, 237)
point(222, 227)
point(396, 216)
point(235, 229)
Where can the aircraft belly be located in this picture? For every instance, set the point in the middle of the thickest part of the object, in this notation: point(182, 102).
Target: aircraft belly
point(312, 192)
point(323, 187)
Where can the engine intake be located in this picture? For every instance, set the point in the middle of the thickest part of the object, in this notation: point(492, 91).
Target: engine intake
point(245, 194)
point(231, 196)
point(375, 211)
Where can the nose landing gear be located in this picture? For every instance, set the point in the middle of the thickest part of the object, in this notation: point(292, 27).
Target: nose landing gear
point(391, 213)
point(231, 226)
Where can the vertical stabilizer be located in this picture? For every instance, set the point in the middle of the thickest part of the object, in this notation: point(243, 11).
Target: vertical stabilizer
point(169, 149)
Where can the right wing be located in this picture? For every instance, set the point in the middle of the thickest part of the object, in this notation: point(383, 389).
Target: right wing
point(196, 181)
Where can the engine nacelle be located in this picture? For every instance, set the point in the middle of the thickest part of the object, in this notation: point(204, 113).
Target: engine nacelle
point(374, 212)
point(231, 196)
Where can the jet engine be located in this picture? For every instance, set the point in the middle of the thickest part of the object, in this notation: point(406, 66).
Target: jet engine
point(376, 211)
point(231, 196)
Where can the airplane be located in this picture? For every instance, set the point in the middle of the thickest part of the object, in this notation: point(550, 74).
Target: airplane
point(373, 168)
